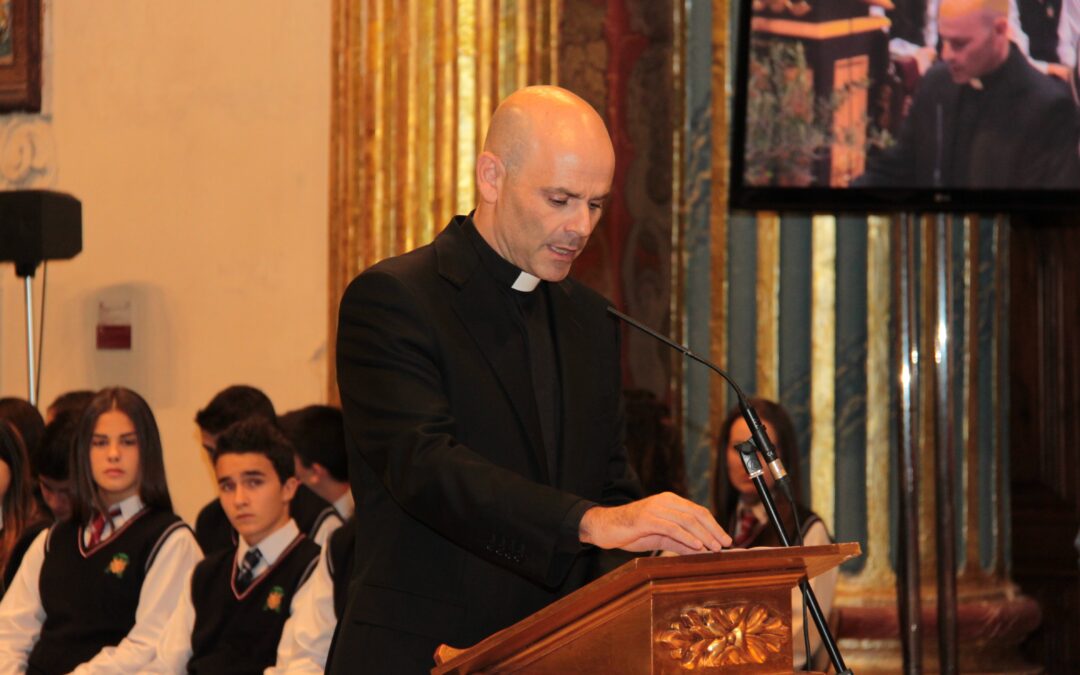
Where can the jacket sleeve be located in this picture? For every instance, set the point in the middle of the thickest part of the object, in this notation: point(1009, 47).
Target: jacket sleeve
point(400, 424)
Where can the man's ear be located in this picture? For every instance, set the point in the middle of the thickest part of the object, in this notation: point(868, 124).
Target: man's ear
point(490, 174)
point(288, 488)
point(1001, 26)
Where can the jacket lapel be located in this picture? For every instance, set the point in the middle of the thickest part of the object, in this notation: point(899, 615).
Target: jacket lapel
point(497, 336)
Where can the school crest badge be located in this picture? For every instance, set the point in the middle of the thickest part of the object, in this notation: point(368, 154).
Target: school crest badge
point(274, 599)
point(118, 565)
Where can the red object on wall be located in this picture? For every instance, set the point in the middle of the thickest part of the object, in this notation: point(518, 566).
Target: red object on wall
point(113, 337)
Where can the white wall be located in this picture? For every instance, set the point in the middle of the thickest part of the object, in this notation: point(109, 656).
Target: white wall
point(196, 135)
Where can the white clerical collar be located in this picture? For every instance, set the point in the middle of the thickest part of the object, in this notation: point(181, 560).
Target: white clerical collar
point(526, 283)
point(976, 84)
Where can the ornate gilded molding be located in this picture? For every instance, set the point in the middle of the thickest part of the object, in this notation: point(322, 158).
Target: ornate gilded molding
point(414, 83)
point(728, 635)
point(27, 152)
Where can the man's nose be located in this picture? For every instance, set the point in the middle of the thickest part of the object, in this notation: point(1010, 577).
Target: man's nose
point(582, 222)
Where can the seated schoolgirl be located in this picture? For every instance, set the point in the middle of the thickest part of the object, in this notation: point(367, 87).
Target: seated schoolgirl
point(20, 518)
point(230, 617)
point(94, 592)
point(740, 511)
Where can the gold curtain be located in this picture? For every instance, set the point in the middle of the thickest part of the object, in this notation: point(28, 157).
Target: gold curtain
point(414, 86)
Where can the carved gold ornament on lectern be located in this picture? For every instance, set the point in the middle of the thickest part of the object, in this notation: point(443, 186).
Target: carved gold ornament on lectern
point(731, 635)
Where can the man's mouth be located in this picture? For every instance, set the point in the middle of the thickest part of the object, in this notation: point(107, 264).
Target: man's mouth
point(562, 251)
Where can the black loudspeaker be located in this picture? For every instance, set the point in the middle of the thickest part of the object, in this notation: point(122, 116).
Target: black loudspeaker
point(37, 225)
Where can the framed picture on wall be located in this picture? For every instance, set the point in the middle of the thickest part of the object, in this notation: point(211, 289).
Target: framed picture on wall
point(20, 55)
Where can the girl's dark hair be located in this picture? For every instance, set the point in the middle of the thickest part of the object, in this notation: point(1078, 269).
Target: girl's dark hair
point(153, 489)
point(27, 421)
point(782, 434)
point(20, 508)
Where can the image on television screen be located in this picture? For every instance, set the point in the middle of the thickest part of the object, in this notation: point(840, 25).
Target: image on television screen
point(911, 94)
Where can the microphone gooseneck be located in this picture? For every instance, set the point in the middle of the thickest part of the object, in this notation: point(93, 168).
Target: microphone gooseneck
point(760, 441)
point(750, 416)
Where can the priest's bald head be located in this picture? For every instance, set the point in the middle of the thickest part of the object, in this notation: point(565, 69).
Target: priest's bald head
point(974, 37)
point(543, 179)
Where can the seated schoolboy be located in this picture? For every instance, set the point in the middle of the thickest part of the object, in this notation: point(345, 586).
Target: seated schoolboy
point(317, 433)
point(313, 515)
point(93, 592)
point(238, 600)
point(50, 465)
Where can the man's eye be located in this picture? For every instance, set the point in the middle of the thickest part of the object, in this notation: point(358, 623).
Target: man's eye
point(595, 207)
point(557, 201)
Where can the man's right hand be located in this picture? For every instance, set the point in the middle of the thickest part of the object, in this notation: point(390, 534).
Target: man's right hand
point(665, 522)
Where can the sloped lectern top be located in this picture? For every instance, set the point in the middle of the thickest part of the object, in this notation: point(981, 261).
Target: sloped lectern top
point(630, 595)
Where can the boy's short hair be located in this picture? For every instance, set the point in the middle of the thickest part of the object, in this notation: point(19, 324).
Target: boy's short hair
point(76, 401)
point(256, 435)
point(232, 404)
point(53, 458)
point(318, 434)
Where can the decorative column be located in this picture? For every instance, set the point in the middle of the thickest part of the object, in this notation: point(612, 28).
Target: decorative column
point(414, 86)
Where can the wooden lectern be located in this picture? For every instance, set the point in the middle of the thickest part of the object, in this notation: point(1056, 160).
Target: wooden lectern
point(699, 613)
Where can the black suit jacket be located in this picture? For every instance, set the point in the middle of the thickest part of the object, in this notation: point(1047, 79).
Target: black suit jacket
point(1026, 134)
point(460, 529)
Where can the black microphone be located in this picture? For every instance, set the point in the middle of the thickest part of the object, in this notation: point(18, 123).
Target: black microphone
point(757, 431)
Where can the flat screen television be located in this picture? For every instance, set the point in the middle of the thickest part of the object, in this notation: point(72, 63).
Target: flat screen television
point(879, 105)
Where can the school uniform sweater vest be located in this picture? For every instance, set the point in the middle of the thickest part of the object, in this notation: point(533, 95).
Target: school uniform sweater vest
point(214, 532)
point(239, 632)
point(90, 596)
point(767, 536)
point(340, 562)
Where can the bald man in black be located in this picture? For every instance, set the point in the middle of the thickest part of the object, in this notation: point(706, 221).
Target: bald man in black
point(481, 392)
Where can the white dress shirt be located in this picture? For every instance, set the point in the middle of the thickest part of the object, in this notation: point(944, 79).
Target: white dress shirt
point(305, 640)
point(21, 613)
point(174, 648)
point(326, 528)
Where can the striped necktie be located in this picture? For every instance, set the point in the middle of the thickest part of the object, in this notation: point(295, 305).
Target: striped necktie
point(97, 525)
point(247, 569)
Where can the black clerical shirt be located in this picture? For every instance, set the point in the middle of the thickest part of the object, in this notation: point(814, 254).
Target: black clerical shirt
point(526, 299)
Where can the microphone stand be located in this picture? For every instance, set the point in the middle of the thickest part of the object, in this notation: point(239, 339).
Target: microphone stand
point(748, 452)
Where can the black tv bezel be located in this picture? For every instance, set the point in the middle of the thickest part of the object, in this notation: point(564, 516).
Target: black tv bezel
point(874, 200)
